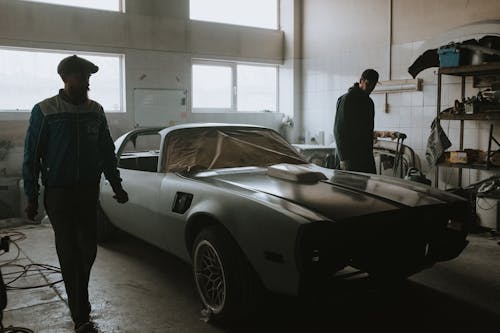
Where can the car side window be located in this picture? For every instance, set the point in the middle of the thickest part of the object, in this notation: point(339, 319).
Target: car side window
point(141, 152)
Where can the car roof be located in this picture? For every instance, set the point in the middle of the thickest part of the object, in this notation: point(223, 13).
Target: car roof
point(167, 130)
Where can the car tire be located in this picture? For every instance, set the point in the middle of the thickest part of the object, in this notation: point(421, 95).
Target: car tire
point(228, 287)
point(105, 229)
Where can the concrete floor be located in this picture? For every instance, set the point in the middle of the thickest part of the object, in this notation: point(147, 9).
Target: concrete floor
point(137, 288)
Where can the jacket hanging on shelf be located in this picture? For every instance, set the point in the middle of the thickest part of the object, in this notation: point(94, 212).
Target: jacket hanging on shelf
point(437, 143)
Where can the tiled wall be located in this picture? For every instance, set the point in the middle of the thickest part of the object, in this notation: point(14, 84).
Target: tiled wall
point(329, 69)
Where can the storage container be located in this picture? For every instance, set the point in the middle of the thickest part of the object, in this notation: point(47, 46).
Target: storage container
point(449, 57)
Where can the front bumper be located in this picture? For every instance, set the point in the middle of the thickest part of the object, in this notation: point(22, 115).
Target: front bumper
point(390, 244)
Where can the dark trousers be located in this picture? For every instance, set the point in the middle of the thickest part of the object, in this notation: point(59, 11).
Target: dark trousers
point(360, 164)
point(364, 165)
point(73, 214)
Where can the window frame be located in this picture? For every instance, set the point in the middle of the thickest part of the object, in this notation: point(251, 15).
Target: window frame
point(234, 88)
point(121, 6)
point(204, 62)
point(278, 18)
point(121, 58)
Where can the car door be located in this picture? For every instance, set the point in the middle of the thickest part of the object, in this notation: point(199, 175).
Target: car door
point(137, 163)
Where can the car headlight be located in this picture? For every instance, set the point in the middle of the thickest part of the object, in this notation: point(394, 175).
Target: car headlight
point(315, 256)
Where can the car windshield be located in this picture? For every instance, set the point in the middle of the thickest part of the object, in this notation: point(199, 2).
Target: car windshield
point(196, 149)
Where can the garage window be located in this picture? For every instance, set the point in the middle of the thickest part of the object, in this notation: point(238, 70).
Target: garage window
point(113, 5)
point(253, 13)
point(28, 76)
point(233, 87)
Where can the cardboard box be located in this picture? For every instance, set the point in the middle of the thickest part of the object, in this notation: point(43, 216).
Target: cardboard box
point(458, 157)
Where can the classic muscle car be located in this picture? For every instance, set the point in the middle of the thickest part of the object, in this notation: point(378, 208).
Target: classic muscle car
point(248, 212)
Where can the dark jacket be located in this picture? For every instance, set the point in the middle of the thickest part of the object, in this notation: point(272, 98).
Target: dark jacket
point(70, 145)
point(353, 129)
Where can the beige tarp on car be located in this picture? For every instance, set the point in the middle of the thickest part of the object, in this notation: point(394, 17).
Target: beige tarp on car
point(214, 148)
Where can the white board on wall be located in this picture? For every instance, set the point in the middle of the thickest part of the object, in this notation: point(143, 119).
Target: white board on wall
point(159, 107)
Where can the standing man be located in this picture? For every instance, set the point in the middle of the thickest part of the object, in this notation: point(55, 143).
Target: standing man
point(69, 143)
point(353, 128)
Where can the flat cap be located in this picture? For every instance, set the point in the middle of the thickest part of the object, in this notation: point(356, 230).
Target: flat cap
point(75, 64)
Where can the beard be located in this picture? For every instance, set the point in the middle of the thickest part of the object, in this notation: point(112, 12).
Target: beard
point(78, 96)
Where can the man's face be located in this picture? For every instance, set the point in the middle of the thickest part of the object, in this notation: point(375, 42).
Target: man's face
point(367, 86)
point(77, 86)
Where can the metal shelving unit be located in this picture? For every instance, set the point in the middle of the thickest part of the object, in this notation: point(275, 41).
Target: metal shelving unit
point(463, 72)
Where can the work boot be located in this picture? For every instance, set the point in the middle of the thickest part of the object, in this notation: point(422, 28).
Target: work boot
point(88, 327)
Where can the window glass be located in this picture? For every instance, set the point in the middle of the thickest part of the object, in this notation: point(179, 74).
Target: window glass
point(30, 76)
point(220, 86)
point(254, 13)
point(141, 153)
point(114, 5)
point(212, 86)
point(256, 88)
point(142, 143)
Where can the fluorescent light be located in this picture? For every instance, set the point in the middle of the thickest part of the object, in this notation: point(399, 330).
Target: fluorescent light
point(393, 86)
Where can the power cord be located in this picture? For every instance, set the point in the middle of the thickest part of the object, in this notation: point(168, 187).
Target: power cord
point(25, 270)
point(13, 329)
point(12, 237)
point(491, 206)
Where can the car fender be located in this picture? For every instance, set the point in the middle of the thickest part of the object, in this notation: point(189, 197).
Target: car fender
point(247, 220)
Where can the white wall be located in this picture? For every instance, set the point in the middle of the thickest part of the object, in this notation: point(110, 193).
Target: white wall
point(158, 41)
point(341, 38)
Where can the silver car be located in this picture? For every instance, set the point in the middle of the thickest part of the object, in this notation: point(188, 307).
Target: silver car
point(242, 206)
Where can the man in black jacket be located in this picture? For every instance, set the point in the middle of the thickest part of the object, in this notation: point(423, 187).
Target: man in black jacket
point(69, 144)
point(353, 128)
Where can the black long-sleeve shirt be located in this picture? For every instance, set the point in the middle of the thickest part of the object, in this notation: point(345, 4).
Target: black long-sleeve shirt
point(353, 130)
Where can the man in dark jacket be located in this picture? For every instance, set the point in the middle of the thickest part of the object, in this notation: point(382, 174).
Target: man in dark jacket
point(69, 143)
point(353, 128)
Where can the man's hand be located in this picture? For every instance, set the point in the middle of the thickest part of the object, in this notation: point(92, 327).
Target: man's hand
point(121, 196)
point(31, 209)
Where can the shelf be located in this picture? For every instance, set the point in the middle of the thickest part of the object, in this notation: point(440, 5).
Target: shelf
point(468, 166)
point(476, 116)
point(483, 112)
point(474, 70)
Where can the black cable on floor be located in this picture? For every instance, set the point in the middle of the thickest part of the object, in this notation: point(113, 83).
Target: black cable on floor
point(39, 268)
point(24, 271)
point(12, 329)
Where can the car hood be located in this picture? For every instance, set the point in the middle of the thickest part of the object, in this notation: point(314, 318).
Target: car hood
point(340, 195)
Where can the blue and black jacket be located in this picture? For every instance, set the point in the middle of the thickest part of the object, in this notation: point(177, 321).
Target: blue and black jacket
point(70, 145)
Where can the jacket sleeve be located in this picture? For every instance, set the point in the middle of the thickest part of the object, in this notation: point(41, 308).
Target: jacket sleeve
point(32, 150)
point(344, 127)
point(107, 149)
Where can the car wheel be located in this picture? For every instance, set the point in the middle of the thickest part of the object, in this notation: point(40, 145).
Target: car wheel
point(226, 283)
point(105, 229)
